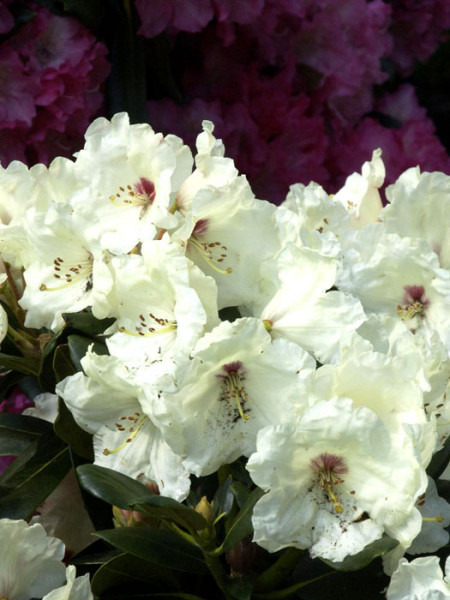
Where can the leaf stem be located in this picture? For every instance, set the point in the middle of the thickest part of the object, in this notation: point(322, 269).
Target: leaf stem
point(276, 573)
point(215, 566)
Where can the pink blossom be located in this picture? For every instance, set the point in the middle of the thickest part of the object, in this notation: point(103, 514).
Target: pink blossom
point(159, 15)
point(417, 29)
point(56, 67)
point(409, 142)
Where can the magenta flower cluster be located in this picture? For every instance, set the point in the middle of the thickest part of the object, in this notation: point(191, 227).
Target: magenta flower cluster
point(51, 73)
point(290, 84)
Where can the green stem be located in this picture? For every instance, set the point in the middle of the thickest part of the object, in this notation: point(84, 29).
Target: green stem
point(276, 573)
point(25, 342)
point(215, 566)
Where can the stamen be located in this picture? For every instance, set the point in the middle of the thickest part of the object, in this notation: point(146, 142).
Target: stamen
point(141, 194)
point(205, 251)
point(233, 390)
point(143, 329)
point(414, 302)
point(137, 422)
point(436, 519)
point(72, 274)
point(328, 468)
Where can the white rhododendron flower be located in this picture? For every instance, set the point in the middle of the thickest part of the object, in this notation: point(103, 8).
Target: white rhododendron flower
point(162, 302)
point(419, 208)
point(302, 310)
point(227, 232)
point(334, 483)
point(225, 394)
point(30, 561)
point(76, 588)
point(69, 271)
point(399, 277)
point(420, 579)
point(360, 195)
point(104, 402)
point(131, 175)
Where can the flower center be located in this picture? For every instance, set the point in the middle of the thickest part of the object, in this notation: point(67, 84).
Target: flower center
point(328, 468)
point(414, 302)
point(68, 273)
point(129, 424)
point(140, 194)
point(151, 326)
point(233, 391)
point(213, 253)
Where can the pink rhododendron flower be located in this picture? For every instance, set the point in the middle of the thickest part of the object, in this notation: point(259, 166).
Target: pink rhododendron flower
point(410, 142)
point(51, 72)
point(417, 29)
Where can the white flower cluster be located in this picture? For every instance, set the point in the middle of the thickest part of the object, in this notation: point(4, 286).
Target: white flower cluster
point(332, 381)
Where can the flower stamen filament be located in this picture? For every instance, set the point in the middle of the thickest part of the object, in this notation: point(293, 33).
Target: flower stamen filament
point(137, 424)
point(204, 250)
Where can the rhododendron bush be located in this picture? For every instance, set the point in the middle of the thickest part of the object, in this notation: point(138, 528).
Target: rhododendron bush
point(228, 398)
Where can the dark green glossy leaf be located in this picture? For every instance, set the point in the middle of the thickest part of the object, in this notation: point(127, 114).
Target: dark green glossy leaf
point(124, 492)
point(67, 429)
point(8, 381)
point(366, 556)
point(62, 364)
point(111, 486)
point(17, 431)
point(86, 323)
point(241, 492)
point(159, 546)
point(242, 524)
point(223, 498)
point(167, 508)
point(22, 491)
point(78, 346)
point(46, 376)
point(440, 461)
point(127, 569)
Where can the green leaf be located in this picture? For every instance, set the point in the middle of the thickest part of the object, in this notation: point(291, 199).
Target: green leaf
point(85, 322)
point(124, 492)
point(111, 486)
point(46, 376)
point(223, 498)
point(127, 569)
point(22, 491)
point(78, 346)
point(17, 431)
point(62, 364)
point(167, 508)
point(440, 461)
point(241, 588)
point(159, 546)
point(241, 493)
point(242, 524)
point(68, 430)
point(366, 556)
